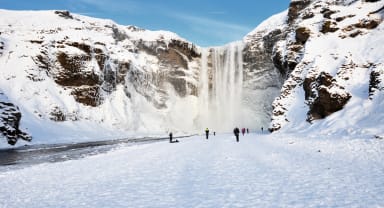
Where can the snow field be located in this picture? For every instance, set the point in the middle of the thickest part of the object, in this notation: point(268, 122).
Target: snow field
point(278, 170)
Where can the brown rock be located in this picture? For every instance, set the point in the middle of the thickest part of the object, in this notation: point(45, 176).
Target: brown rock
point(321, 99)
point(329, 26)
point(302, 34)
point(294, 9)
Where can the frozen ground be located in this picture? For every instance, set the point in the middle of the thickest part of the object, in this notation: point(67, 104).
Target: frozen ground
point(278, 170)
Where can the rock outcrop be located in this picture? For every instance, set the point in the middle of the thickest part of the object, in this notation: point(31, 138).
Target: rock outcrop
point(10, 116)
point(324, 96)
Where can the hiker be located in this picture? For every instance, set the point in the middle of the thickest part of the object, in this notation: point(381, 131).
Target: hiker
point(214, 133)
point(247, 131)
point(206, 132)
point(236, 131)
point(262, 129)
point(170, 137)
point(243, 131)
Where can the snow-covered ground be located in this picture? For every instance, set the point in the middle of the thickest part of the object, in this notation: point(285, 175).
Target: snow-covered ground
point(270, 170)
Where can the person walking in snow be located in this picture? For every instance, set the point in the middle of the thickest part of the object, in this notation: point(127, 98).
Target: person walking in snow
point(236, 131)
point(243, 131)
point(206, 133)
point(170, 137)
point(247, 131)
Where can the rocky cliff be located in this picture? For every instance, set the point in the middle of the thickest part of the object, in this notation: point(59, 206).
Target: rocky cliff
point(65, 67)
point(329, 57)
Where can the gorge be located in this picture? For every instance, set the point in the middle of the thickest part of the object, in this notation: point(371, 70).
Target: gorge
point(61, 72)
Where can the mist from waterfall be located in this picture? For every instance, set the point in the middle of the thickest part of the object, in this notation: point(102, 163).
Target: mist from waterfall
point(221, 84)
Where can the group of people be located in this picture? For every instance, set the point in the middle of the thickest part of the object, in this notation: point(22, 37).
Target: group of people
point(236, 131)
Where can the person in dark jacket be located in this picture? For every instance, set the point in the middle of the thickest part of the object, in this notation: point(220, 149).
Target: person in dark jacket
point(207, 132)
point(236, 131)
point(170, 137)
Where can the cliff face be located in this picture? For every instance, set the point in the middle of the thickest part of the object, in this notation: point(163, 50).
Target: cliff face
point(65, 68)
point(262, 79)
point(91, 70)
point(328, 57)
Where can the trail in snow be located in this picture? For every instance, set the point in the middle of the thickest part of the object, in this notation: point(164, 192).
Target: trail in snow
point(36, 154)
point(259, 171)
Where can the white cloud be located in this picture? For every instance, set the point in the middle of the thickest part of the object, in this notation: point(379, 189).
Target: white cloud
point(219, 30)
point(212, 23)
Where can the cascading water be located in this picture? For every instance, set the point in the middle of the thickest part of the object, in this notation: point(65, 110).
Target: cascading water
point(221, 83)
point(204, 114)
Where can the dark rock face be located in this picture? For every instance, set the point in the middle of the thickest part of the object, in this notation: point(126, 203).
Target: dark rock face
point(302, 35)
point(375, 79)
point(329, 26)
point(360, 28)
point(175, 57)
point(9, 122)
point(286, 59)
point(324, 96)
point(295, 7)
point(71, 72)
point(327, 13)
point(64, 14)
point(270, 40)
point(286, 63)
point(87, 95)
point(257, 58)
point(57, 115)
point(368, 23)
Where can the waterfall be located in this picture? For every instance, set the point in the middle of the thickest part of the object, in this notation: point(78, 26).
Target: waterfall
point(204, 91)
point(221, 84)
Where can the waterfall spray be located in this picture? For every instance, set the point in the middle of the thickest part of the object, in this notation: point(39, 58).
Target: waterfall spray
point(221, 86)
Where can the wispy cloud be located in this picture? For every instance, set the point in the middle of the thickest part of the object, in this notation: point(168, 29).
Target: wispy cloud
point(221, 31)
point(211, 23)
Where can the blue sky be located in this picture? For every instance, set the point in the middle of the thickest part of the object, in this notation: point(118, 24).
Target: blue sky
point(204, 22)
